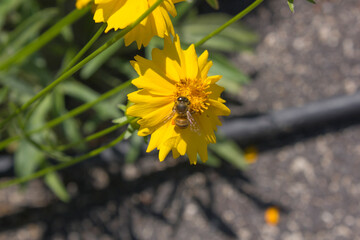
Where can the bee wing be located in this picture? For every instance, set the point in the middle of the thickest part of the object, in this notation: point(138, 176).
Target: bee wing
point(168, 117)
point(194, 126)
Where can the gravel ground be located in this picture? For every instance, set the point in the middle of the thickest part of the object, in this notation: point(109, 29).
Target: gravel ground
point(313, 178)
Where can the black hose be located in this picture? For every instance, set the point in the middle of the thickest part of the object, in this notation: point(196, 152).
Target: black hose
point(292, 120)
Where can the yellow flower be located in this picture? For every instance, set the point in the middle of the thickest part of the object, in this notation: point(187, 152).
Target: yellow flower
point(82, 3)
point(164, 82)
point(119, 14)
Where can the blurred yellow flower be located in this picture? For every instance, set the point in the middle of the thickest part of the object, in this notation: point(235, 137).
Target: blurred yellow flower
point(82, 3)
point(272, 216)
point(177, 102)
point(250, 154)
point(119, 14)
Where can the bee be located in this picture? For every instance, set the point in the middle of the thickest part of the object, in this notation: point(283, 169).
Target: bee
point(184, 117)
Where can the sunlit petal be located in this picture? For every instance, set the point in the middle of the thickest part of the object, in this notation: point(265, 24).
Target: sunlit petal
point(119, 14)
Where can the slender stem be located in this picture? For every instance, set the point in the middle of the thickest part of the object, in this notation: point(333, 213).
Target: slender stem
point(47, 151)
point(78, 56)
point(44, 38)
point(60, 156)
point(85, 48)
point(81, 108)
point(68, 115)
point(74, 69)
point(228, 23)
point(7, 141)
point(63, 165)
point(96, 135)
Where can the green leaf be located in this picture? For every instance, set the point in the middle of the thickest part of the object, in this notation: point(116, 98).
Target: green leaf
point(213, 3)
point(68, 55)
point(128, 134)
point(135, 148)
point(229, 151)
point(67, 34)
point(86, 94)
point(213, 161)
point(28, 30)
point(6, 6)
point(122, 107)
point(122, 66)
point(3, 93)
point(20, 90)
point(54, 182)
point(234, 38)
point(36, 71)
point(72, 130)
point(291, 5)
point(131, 130)
point(120, 120)
point(27, 159)
point(311, 1)
point(232, 78)
point(89, 69)
point(39, 116)
point(183, 9)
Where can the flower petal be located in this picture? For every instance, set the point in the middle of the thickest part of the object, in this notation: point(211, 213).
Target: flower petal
point(156, 117)
point(214, 79)
point(192, 154)
point(119, 14)
point(171, 66)
point(218, 108)
point(144, 109)
point(151, 78)
point(203, 153)
point(191, 63)
point(175, 153)
point(215, 90)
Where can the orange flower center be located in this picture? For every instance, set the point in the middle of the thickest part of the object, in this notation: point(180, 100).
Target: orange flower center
point(196, 91)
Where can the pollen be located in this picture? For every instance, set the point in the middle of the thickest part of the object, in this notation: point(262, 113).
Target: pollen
point(196, 91)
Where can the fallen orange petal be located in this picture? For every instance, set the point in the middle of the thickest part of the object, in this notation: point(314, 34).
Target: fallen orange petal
point(272, 216)
point(250, 154)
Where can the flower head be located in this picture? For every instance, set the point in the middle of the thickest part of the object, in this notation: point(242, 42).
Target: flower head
point(177, 102)
point(119, 14)
point(81, 3)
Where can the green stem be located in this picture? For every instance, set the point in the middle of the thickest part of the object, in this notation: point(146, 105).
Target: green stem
point(79, 55)
point(96, 135)
point(56, 153)
point(44, 38)
point(47, 151)
point(63, 165)
point(74, 69)
point(70, 114)
point(9, 140)
point(228, 23)
point(82, 108)
point(85, 48)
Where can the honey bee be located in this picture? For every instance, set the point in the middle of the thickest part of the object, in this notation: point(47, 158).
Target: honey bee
point(184, 117)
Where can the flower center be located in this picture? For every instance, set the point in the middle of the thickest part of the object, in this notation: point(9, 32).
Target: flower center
point(195, 91)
